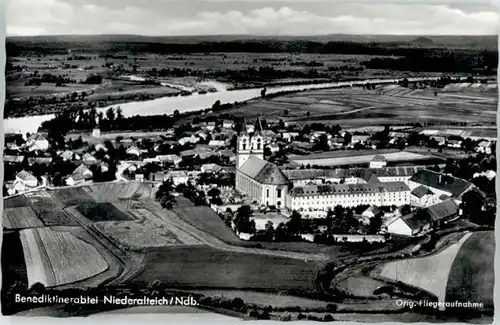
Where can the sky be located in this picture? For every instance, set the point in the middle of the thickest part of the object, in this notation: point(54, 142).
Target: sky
point(252, 17)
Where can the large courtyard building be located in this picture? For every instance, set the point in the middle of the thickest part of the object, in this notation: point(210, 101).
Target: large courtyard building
point(314, 198)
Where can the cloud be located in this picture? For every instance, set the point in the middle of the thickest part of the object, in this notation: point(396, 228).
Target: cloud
point(275, 17)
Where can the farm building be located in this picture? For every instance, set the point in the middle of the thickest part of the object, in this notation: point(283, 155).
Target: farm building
point(410, 225)
point(261, 180)
point(24, 181)
point(359, 139)
point(423, 197)
point(80, 175)
point(378, 161)
point(325, 197)
point(440, 184)
point(443, 212)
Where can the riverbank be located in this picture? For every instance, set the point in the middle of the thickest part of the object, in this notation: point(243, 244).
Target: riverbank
point(194, 102)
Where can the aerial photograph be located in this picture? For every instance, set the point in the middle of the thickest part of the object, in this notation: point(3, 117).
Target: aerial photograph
point(238, 160)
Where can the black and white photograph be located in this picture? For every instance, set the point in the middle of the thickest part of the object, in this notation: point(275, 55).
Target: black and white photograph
point(275, 160)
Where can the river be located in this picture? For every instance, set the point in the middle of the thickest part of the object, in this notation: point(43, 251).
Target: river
point(194, 102)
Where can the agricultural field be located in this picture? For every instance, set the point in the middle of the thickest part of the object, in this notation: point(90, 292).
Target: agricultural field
point(48, 210)
point(472, 275)
point(205, 219)
point(390, 104)
point(102, 212)
point(148, 231)
point(429, 273)
point(71, 196)
point(107, 192)
point(342, 158)
point(205, 267)
point(266, 299)
point(20, 217)
point(56, 258)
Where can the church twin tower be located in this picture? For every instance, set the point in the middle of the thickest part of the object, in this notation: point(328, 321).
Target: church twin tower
point(250, 146)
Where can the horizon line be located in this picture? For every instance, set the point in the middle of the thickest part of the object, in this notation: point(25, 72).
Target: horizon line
point(257, 35)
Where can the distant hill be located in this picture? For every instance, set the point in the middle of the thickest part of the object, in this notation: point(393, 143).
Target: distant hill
point(423, 41)
point(486, 42)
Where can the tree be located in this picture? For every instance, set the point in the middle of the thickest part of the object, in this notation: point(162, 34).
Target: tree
point(472, 204)
point(242, 220)
point(376, 223)
point(216, 106)
point(263, 92)
point(176, 114)
point(308, 114)
point(294, 225)
point(110, 114)
point(164, 195)
point(119, 114)
point(286, 112)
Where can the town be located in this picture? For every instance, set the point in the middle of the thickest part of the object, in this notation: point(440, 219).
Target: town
point(233, 164)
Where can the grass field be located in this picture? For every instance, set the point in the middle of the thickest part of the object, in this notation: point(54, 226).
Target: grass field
point(148, 231)
point(205, 267)
point(56, 258)
point(102, 212)
point(472, 275)
point(15, 202)
point(20, 217)
point(427, 273)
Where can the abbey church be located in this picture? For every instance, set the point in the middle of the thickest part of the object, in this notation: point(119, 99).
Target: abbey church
point(261, 180)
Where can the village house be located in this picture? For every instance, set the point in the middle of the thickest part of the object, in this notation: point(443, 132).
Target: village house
point(177, 177)
point(190, 139)
point(423, 197)
point(24, 181)
point(80, 175)
point(169, 159)
point(456, 144)
point(211, 168)
point(484, 147)
point(227, 124)
point(289, 136)
point(228, 154)
point(39, 160)
point(274, 147)
point(217, 143)
point(359, 139)
point(7, 159)
point(378, 161)
point(37, 142)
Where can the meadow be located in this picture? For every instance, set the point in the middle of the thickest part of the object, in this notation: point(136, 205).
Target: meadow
point(472, 275)
point(430, 273)
point(205, 267)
